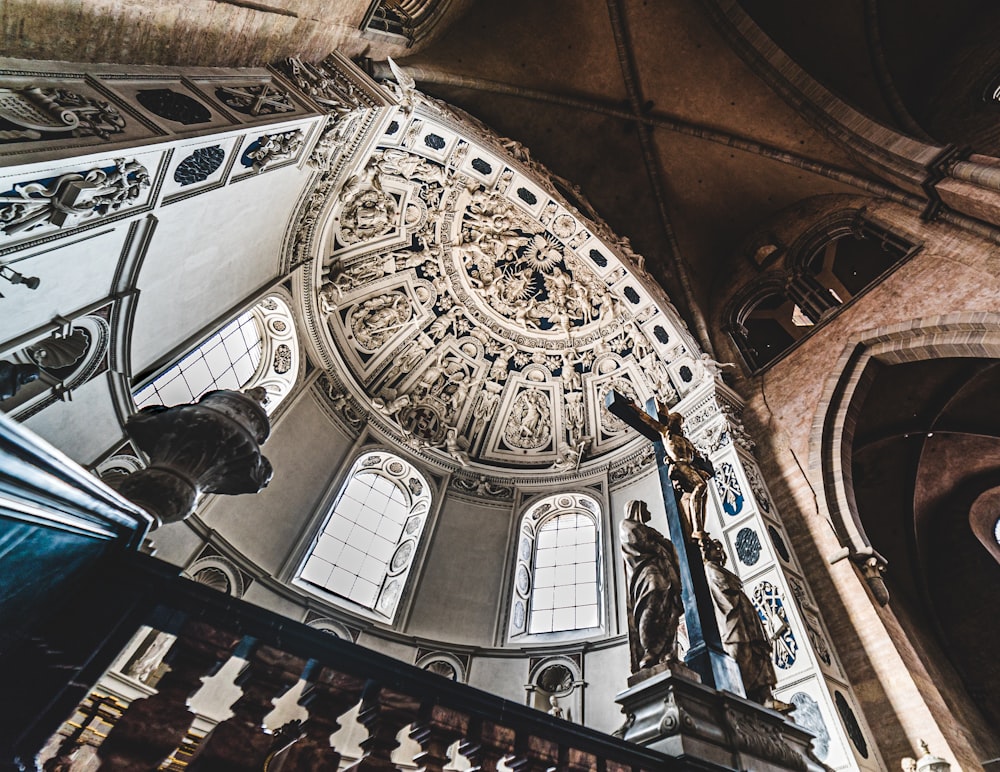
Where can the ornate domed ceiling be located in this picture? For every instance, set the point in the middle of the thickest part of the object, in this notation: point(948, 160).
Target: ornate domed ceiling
point(475, 313)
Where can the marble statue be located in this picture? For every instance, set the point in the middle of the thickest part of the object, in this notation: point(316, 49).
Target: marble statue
point(712, 367)
point(570, 456)
point(555, 709)
point(740, 627)
point(455, 446)
point(653, 589)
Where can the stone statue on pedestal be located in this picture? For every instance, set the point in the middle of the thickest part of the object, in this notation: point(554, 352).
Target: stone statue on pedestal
point(653, 589)
point(741, 630)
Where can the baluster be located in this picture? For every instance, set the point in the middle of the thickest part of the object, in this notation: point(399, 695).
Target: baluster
point(572, 760)
point(486, 745)
point(383, 713)
point(239, 743)
point(154, 726)
point(435, 735)
point(328, 696)
point(534, 754)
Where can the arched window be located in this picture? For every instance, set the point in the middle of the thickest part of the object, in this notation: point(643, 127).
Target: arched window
point(832, 263)
point(257, 348)
point(365, 547)
point(557, 579)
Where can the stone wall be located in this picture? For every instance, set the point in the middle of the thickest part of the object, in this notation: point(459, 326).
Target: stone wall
point(953, 275)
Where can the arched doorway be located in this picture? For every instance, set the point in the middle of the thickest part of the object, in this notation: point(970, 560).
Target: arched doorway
point(925, 447)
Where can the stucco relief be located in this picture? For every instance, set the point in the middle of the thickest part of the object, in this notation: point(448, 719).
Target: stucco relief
point(480, 322)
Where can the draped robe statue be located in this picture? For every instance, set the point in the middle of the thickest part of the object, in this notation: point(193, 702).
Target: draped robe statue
point(654, 589)
point(742, 632)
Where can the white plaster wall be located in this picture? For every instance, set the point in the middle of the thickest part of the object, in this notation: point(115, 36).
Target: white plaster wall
point(176, 543)
point(606, 672)
point(459, 593)
point(72, 277)
point(504, 677)
point(208, 254)
point(646, 488)
point(261, 596)
point(83, 428)
point(306, 450)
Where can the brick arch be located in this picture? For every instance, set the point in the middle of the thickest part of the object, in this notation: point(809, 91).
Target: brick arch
point(965, 334)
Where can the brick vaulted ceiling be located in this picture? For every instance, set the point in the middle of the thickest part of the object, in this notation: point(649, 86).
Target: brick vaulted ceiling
point(674, 138)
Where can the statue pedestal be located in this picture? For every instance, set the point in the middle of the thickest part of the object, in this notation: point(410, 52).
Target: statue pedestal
point(672, 712)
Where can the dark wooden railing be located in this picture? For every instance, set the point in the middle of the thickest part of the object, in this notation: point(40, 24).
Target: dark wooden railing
point(85, 634)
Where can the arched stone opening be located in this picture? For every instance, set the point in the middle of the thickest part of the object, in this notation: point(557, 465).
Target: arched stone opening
point(910, 455)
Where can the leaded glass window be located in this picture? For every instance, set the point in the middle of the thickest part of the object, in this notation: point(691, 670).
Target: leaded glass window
point(365, 548)
point(257, 348)
point(557, 578)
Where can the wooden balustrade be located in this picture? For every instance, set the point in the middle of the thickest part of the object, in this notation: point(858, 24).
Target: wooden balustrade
point(394, 697)
point(153, 727)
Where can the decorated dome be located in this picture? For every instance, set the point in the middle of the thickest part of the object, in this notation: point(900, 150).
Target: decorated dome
point(473, 312)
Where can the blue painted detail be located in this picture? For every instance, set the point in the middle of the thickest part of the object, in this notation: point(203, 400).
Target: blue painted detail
point(771, 610)
point(481, 166)
point(434, 142)
point(392, 128)
point(632, 295)
point(527, 196)
point(748, 546)
point(245, 159)
point(685, 373)
point(661, 335)
point(851, 723)
point(200, 165)
point(727, 483)
point(598, 258)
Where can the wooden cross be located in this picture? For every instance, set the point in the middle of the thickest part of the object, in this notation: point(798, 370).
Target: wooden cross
point(705, 654)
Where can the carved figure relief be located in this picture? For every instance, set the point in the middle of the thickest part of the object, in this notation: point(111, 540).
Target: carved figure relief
point(502, 290)
point(376, 320)
point(771, 608)
point(335, 134)
point(270, 149)
point(94, 193)
point(325, 84)
point(369, 214)
point(33, 112)
point(263, 99)
point(808, 715)
point(727, 484)
point(529, 425)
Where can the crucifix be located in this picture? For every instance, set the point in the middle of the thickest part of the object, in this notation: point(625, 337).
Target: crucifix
point(705, 654)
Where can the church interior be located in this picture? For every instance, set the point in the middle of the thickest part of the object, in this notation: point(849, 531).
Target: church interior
point(433, 240)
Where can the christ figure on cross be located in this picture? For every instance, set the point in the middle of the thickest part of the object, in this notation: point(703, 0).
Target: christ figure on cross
point(684, 474)
point(690, 471)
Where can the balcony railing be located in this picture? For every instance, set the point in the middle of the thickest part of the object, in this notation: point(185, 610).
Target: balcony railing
point(80, 639)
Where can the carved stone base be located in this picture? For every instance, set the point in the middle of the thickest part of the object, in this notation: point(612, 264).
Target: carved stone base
point(677, 668)
point(673, 713)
